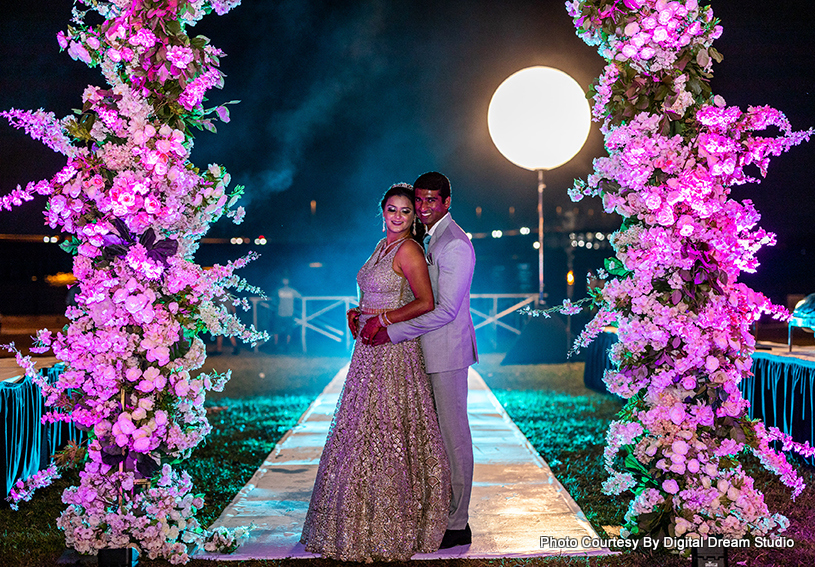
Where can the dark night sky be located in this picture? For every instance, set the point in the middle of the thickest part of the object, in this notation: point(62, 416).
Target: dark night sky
point(341, 99)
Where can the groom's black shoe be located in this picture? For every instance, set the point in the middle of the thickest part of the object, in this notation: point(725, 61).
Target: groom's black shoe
point(453, 538)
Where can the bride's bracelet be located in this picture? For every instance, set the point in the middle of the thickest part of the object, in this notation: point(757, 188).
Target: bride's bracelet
point(383, 319)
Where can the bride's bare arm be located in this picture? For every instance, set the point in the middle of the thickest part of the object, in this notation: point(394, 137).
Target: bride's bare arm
point(410, 263)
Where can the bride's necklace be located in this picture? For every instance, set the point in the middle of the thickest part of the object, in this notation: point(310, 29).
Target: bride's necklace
point(385, 250)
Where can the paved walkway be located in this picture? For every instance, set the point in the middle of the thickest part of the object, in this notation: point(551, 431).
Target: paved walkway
point(516, 499)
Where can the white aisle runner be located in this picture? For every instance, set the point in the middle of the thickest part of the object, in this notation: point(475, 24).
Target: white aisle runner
point(516, 499)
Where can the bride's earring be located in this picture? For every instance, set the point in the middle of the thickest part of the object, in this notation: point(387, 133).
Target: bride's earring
point(383, 225)
point(414, 228)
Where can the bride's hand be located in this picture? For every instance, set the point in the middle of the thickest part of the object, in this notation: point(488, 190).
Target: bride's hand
point(353, 321)
point(370, 329)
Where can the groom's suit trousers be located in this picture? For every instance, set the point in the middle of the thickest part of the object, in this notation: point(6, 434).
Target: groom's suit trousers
point(450, 393)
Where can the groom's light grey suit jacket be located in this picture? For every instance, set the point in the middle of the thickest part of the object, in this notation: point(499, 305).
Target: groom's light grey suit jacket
point(447, 333)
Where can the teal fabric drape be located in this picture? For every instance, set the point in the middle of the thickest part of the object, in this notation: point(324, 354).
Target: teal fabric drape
point(26, 444)
point(781, 393)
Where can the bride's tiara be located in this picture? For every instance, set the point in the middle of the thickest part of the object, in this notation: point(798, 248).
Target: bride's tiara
point(405, 185)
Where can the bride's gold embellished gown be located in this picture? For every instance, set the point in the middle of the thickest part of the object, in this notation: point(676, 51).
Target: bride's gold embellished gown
point(383, 485)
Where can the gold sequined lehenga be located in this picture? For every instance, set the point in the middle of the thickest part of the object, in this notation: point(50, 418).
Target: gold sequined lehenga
point(383, 484)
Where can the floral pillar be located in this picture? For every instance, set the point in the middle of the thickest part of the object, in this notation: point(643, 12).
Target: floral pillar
point(675, 152)
point(135, 209)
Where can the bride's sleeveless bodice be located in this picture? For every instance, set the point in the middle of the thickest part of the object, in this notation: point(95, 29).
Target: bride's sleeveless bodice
point(382, 288)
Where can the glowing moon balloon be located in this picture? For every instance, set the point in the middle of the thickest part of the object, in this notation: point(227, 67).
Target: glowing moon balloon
point(539, 118)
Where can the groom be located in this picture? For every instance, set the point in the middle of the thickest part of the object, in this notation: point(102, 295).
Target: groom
point(448, 340)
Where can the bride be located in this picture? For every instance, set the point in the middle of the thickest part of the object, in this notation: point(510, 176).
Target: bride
point(383, 484)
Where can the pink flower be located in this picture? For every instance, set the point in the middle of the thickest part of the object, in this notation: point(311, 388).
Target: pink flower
point(665, 216)
point(151, 204)
point(711, 363)
point(660, 34)
point(677, 414)
point(182, 388)
point(125, 425)
point(240, 212)
point(680, 447)
point(144, 37)
point(221, 7)
point(78, 52)
point(670, 486)
point(142, 444)
point(568, 308)
point(136, 303)
point(194, 92)
point(114, 55)
point(180, 56)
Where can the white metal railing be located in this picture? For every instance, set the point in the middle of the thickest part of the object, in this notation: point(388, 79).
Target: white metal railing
point(320, 314)
point(492, 319)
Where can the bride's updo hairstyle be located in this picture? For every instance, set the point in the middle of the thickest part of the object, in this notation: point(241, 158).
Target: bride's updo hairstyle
point(405, 190)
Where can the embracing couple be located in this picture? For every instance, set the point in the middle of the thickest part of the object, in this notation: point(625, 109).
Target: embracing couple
point(396, 472)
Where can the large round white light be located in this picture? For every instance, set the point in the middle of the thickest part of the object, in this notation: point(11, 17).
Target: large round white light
point(539, 118)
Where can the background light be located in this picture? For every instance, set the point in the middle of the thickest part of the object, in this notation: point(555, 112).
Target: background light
point(524, 230)
point(539, 118)
point(497, 234)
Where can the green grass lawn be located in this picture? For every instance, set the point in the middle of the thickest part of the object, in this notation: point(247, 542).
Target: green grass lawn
point(564, 421)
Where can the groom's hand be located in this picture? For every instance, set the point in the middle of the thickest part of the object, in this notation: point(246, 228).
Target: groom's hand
point(381, 337)
point(369, 330)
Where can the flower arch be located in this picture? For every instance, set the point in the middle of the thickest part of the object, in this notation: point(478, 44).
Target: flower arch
point(675, 152)
point(135, 208)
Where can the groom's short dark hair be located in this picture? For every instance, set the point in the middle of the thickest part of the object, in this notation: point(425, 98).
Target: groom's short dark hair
point(433, 181)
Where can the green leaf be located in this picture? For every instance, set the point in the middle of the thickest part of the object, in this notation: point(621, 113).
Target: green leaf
point(728, 462)
point(643, 102)
point(614, 267)
point(632, 464)
point(703, 58)
point(71, 246)
point(173, 27)
point(737, 434)
point(677, 128)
